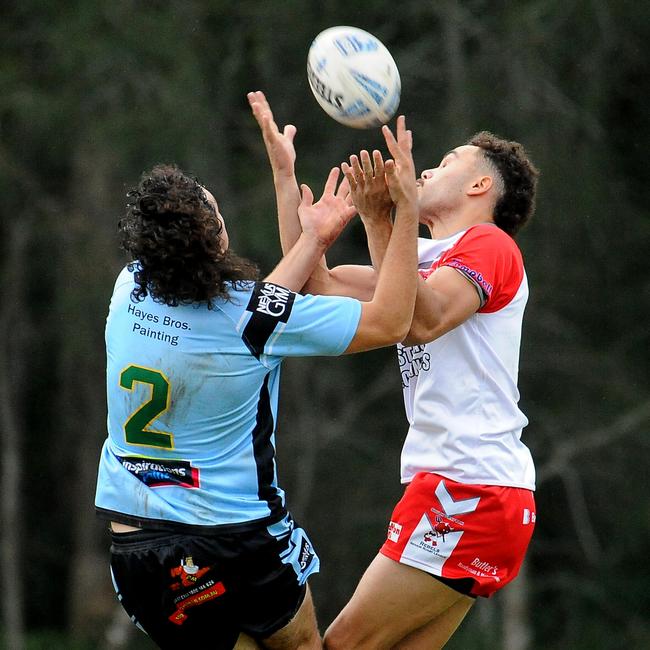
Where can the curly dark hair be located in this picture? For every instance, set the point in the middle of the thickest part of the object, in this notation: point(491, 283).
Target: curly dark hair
point(172, 234)
point(516, 204)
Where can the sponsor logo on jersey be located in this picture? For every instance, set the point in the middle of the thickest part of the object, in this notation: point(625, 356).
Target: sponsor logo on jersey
point(272, 300)
point(270, 305)
point(412, 360)
point(475, 276)
point(154, 472)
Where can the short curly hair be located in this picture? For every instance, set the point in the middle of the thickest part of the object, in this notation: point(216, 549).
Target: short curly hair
point(519, 175)
point(172, 234)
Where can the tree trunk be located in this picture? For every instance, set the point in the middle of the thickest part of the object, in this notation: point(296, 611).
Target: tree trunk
point(12, 327)
point(84, 288)
point(517, 628)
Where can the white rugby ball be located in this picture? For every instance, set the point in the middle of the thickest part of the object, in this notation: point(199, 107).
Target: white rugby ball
point(353, 77)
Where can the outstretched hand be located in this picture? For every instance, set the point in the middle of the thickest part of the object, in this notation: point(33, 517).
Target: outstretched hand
point(368, 187)
point(279, 144)
point(400, 171)
point(326, 218)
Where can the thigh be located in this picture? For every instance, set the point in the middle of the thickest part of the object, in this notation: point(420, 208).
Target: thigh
point(435, 634)
point(300, 632)
point(391, 601)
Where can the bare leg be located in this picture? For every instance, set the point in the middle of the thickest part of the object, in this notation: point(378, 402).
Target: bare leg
point(392, 601)
point(435, 634)
point(245, 642)
point(301, 633)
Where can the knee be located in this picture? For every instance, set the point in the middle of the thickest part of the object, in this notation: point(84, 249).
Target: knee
point(340, 636)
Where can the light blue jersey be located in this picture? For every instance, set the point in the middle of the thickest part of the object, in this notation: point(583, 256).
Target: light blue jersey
point(192, 402)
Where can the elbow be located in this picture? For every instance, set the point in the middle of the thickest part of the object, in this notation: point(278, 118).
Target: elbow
point(396, 329)
point(418, 334)
point(401, 333)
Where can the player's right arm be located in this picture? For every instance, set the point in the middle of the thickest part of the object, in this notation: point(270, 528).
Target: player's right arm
point(386, 319)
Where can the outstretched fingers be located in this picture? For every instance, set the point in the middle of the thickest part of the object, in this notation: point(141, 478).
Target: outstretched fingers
point(403, 143)
point(306, 196)
point(259, 105)
point(289, 132)
point(264, 116)
point(343, 191)
point(348, 172)
point(330, 183)
point(366, 164)
point(378, 162)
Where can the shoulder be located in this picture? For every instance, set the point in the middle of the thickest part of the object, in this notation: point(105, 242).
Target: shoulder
point(489, 234)
point(486, 243)
point(491, 259)
point(125, 275)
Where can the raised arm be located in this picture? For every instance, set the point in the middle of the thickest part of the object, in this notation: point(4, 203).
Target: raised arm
point(355, 281)
point(386, 319)
point(446, 298)
point(321, 223)
point(371, 197)
point(282, 156)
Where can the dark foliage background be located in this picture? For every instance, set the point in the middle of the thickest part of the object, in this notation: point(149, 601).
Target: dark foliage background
point(93, 93)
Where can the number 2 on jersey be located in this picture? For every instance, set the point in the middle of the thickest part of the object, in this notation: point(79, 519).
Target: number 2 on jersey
point(136, 428)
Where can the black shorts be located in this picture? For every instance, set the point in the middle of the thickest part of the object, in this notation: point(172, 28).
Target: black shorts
point(183, 589)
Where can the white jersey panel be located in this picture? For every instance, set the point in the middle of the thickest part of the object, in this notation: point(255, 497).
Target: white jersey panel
point(461, 395)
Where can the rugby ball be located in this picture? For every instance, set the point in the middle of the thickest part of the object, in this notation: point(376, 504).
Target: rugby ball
point(353, 77)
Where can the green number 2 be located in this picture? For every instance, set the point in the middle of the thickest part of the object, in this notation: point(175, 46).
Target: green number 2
point(136, 427)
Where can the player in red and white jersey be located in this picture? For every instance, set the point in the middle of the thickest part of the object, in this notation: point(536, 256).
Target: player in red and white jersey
point(463, 525)
point(460, 390)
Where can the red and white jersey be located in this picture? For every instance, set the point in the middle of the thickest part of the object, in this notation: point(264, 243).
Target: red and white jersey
point(460, 391)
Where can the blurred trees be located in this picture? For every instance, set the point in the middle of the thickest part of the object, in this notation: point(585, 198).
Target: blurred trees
point(94, 93)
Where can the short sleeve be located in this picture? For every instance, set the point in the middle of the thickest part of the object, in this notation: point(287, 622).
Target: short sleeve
point(489, 258)
point(280, 323)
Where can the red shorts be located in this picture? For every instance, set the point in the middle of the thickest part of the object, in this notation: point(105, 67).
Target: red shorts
point(476, 533)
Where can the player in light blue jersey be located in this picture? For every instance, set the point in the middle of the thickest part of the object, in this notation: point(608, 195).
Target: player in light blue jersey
point(204, 548)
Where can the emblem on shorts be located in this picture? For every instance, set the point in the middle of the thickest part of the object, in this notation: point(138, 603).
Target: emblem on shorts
point(194, 590)
point(306, 555)
point(394, 531)
point(528, 517)
point(438, 529)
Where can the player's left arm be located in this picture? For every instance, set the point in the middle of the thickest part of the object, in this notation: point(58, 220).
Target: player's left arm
point(348, 280)
point(282, 157)
point(483, 272)
point(445, 300)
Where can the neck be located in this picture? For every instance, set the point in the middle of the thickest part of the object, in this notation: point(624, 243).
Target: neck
point(446, 225)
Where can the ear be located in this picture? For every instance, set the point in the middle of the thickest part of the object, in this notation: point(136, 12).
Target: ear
point(480, 185)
